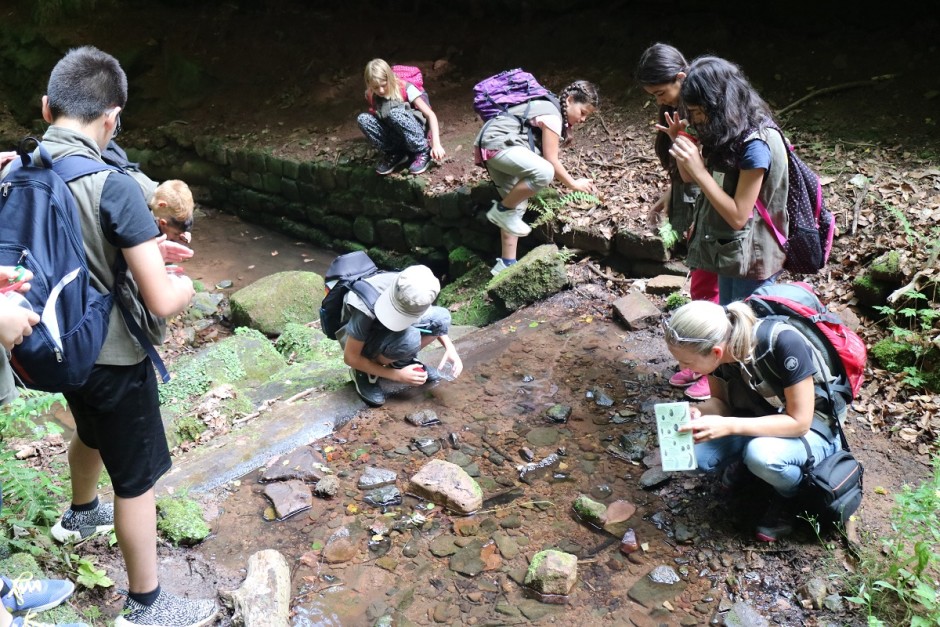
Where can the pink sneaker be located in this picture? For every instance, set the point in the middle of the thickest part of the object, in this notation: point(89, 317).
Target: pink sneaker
point(684, 377)
point(700, 390)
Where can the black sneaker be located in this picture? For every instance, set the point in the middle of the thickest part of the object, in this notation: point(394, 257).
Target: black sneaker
point(75, 526)
point(421, 163)
point(777, 521)
point(367, 387)
point(389, 163)
point(168, 610)
point(434, 375)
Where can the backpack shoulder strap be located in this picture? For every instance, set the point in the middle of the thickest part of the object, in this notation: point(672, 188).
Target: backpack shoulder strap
point(365, 291)
point(72, 168)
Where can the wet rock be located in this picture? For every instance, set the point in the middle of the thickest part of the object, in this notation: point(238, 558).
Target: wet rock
point(508, 609)
point(513, 521)
point(543, 436)
point(428, 446)
point(289, 497)
point(454, 440)
point(383, 497)
point(445, 613)
point(443, 545)
point(339, 548)
point(467, 526)
point(264, 597)
point(526, 454)
point(661, 584)
point(472, 469)
point(618, 512)
point(449, 485)
point(423, 418)
point(503, 498)
point(506, 545)
point(654, 477)
point(468, 560)
point(664, 284)
point(636, 311)
point(589, 510)
point(459, 457)
point(530, 472)
point(601, 492)
point(628, 543)
point(533, 610)
point(558, 414)
point(815, 591)
point(743, 614)
point(552, 572)
point(373, 477)
point(304, 464)
point(683, 533)
point(327, 487)
point(635, 444)
point(411, 548)
point(601, 399)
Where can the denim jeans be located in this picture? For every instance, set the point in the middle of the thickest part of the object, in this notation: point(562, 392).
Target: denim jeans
point(404, 345)
point(778, 461)
point(731, 289)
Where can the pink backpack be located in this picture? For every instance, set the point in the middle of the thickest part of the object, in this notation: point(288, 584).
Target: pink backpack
point(406, 74)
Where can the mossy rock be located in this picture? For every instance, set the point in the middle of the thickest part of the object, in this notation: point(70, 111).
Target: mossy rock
point(180, 520)
point(538, 275)
point(330, 374)
point(467, 301)
point(461, 260)
point(300, 343)
point(893, 355)
point(869, 292)
point(272, 302)
point(887, 268)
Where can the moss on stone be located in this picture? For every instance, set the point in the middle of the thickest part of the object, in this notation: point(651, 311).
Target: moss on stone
point(467, 300)
point(189, 428)
point(270, 303)
point(887, 267)
point(869, 291)
point(676, 300)
point(538, 275)
point(180, 520)
point(893, 355)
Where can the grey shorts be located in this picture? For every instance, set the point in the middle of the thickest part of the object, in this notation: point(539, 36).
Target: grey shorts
point(516, 163)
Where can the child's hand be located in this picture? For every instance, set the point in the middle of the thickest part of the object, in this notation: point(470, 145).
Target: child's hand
point(415, 374)
point(584, 185)
point(454, 359)
point(656, 213)
point(687, 156)
point(437, 152)
point(6, 157)
point(15, 323)
point(183, 284)
point(173, 251)
point(674, 125)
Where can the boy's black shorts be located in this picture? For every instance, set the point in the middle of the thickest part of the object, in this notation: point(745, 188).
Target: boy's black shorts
point(117, 412)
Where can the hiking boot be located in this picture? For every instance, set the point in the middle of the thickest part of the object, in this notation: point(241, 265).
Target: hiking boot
point(684, 378)
point(389, 163)
point(168, 610)
point(700, 390)
point(367, 387)
point(75, 526)
point(27, 621)
point(421, 163)
point(28, 594)
point(777, 521)
point(434, 375)
point(500, 266)
point(509, 221)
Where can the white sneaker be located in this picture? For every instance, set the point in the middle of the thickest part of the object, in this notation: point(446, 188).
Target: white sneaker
point(509, 221)
point(500, 266)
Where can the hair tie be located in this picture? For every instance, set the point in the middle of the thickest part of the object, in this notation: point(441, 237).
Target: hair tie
point(725, 308)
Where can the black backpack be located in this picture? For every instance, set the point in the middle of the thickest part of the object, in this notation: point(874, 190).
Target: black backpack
point(345, 274)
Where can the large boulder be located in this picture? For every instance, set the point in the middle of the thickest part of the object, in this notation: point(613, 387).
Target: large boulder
point(538, 275)
point(272, 302)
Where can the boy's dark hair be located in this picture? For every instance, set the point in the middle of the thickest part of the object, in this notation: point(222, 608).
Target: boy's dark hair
point(85, 83)
point(732, 107)
point(660, 64)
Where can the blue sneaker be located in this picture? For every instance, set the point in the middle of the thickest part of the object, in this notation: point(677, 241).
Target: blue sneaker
point(27, 621)
point(28, 594)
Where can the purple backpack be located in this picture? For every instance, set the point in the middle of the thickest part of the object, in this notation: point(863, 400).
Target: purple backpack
point(811, 225)
point(494, 95)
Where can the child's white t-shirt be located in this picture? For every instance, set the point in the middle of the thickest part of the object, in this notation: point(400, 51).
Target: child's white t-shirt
point(551, 122)
point(412, 92)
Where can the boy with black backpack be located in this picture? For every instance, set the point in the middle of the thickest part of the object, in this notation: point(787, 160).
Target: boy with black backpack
point(385, 323)
point(116, 411)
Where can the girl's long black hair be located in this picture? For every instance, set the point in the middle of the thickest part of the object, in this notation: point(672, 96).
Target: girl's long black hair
point(660, 64)
point(731, 105)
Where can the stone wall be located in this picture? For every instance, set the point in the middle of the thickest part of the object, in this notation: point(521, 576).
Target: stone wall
point(345, 206)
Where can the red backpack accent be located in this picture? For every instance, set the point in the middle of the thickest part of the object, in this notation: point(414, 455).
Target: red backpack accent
point(841, 347)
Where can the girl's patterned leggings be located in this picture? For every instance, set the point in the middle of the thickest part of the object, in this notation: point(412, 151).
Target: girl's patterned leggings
point(400, 133)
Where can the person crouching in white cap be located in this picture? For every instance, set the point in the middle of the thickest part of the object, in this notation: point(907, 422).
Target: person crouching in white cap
point(385, 342)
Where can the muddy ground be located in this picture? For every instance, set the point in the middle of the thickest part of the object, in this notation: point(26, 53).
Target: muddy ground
point(287, 76)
